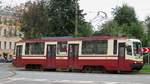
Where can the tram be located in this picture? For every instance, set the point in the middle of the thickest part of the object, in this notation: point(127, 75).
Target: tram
point(104, 53)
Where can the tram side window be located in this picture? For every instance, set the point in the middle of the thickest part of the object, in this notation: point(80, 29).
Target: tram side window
point(87, 47)
point(62, 48)
point(19, 50)
point(34, 48)
point(94, 47)
point(101, 47)
point(129, 50)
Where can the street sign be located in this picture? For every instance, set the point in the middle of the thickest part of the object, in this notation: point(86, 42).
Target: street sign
point(145, 50)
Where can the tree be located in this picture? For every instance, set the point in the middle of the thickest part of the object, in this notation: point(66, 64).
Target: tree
point(124, 15)
point(111, 28)
point(147, 35)
point(124, 23)
point(34, 21)
point(147, 21)
point(62, 16)
point(53, 18)
point(85, 29)
point(145, 40)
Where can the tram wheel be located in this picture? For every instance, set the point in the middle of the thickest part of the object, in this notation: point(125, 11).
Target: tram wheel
point(31, 67)
point(28, 67)
point(102, 70)
point(87, 69)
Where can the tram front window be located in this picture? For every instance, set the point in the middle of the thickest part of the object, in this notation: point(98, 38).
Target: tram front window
point(136, 48)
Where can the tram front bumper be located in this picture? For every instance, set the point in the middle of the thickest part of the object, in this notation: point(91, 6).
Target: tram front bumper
point(137, 65)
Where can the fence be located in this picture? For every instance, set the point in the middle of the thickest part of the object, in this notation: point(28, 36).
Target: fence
point(146, 58)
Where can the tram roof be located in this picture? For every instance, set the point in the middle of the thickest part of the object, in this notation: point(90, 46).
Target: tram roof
point(71, 38)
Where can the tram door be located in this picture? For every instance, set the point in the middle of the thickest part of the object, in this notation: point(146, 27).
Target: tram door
point(51, 56)
point(73, 55)
point(121, 56)
point(19, 54)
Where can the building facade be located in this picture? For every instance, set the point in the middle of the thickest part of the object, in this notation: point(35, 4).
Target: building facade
point(9, 34)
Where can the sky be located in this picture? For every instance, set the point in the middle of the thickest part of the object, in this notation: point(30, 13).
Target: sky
point(92, 7)
point(142, 7)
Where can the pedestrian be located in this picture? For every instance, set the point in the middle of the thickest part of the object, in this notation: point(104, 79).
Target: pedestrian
point(5, 56)
point(9, 59)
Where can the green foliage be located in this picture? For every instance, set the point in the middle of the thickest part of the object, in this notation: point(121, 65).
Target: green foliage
point(62, 18)
point(145, 40)
point(85, 29)
point(125, 15)
point(34, 20)
point(54, 18)
point(147, 21)
point(124, 23)
point(111, 28)
point(145, 69)
point(136, 30)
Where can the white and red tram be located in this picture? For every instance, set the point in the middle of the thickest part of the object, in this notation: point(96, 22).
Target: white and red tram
point(83, 53)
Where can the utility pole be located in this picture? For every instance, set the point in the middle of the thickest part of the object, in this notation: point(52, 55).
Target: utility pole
point(76, 18)
point(148, 58)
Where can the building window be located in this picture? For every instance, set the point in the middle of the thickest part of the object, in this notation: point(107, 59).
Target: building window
point(14, 45)
point(0, 21)
point(0, 30)
point(5, 45)
point(5, 21)
point(10, 45)
point(94, 47)
point(5, 32)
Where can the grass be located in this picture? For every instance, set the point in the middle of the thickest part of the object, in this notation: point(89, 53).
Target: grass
point(146, 68)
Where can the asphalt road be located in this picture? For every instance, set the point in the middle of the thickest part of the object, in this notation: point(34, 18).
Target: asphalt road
point(10, 75)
